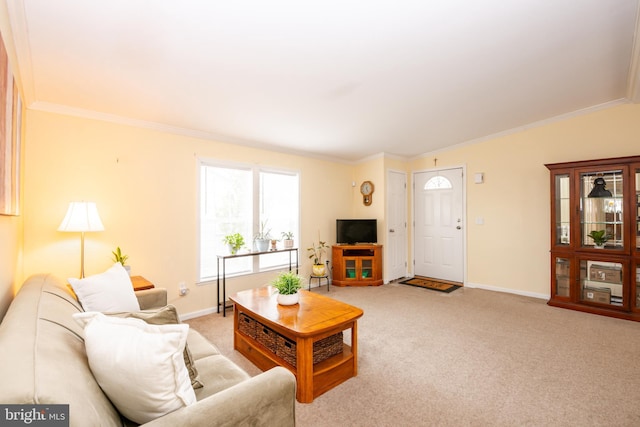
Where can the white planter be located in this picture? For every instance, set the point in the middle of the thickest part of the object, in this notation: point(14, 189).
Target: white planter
point(262, 245)
point(288, 299)
point(288, 243)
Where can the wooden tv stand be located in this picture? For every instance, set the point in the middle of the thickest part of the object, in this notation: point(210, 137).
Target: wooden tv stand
point(357, 265)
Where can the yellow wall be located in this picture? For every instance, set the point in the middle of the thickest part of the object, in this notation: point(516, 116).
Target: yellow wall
point(511, 250)
point(144, 184)
point(370, 170)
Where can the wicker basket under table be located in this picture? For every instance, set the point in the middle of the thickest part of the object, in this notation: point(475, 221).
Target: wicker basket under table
point(247, 325)
point(322, 349)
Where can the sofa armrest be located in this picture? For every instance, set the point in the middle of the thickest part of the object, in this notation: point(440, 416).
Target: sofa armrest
point(152, 298)
point(266, 400)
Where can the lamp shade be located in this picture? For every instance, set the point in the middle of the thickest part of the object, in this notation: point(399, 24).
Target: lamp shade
point(81, 216)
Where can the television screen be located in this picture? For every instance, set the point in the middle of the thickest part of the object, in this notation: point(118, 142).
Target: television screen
point(352, 231)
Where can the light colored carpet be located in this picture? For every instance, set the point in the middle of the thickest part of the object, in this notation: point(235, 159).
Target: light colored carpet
point(472, 358)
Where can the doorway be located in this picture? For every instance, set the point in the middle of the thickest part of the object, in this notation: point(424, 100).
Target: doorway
point(396, 251)
point(439, 224)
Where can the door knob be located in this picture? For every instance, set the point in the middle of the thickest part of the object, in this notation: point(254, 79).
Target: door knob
point(458, 227)
point(392, 231)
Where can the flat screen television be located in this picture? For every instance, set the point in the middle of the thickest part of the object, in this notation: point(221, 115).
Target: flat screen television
point(354, 231)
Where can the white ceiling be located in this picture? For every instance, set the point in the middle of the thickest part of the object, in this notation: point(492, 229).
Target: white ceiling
point(344, 79)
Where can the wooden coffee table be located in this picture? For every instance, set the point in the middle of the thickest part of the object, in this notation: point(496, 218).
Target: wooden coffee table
point(315, 317)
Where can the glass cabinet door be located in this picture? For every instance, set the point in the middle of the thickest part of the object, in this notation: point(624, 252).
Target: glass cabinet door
point(601, 204)
point(562, 276)
point(601, 282)
point(636, 200)
point(637, 274)
point(562, 209)
point(350, 268)
point(636, 232)
point(367, 268)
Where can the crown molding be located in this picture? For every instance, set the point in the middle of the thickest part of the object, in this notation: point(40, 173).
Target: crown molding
point(164, 128)
point(540, 123)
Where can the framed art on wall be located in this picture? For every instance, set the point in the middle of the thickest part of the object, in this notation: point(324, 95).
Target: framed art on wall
point(10, 134)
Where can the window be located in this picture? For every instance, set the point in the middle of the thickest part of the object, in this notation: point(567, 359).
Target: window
point(239, 198)
point(437, 183)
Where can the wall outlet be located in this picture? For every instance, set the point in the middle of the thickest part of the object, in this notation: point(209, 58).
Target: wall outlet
point(182, 289)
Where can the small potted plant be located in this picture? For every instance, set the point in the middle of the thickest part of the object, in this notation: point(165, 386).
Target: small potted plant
point(234, 241)
point(287, 239)
point(318, 268)
point(599, 237)
point(262, 239)
point(118, 256)
point(287, 283)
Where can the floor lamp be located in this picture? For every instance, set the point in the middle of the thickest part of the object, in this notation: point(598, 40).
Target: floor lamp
point(81, 217)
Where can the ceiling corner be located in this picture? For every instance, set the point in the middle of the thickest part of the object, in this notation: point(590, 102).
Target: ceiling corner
point(22, 70)
point(633, 81)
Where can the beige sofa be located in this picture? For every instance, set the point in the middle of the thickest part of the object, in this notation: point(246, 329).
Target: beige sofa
point(43, 361)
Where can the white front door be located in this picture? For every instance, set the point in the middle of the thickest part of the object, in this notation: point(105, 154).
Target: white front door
point(439, 251)
point(395, 253)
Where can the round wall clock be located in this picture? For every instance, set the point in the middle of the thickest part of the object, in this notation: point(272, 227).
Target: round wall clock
point(367, 192)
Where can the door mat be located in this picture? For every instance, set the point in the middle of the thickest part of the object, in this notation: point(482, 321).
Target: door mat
point(433, 284)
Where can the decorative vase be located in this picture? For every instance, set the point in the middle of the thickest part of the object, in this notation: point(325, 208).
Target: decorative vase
point(290, 299)
point(318, 269)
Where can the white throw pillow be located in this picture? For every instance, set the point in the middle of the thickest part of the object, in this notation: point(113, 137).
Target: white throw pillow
point(139, 366)
point(109, 291)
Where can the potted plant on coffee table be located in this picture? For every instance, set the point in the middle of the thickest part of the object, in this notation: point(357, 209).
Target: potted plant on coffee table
point(288, 284)
point(316, 252)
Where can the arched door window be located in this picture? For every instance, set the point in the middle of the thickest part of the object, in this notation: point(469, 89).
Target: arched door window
point(437, 183)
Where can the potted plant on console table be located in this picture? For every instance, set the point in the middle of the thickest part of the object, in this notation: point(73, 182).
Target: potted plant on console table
point(263, 238)
point(234, 242)
point(287, 239)
point(318, 268)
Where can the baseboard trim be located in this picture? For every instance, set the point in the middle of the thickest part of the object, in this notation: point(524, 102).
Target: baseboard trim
point(199, 313)
point(507, 290)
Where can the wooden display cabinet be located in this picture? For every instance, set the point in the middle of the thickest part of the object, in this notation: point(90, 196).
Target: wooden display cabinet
point(596, 196)
point(357, 265)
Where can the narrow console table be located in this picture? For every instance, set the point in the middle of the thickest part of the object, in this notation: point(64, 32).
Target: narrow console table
point(223, 259)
